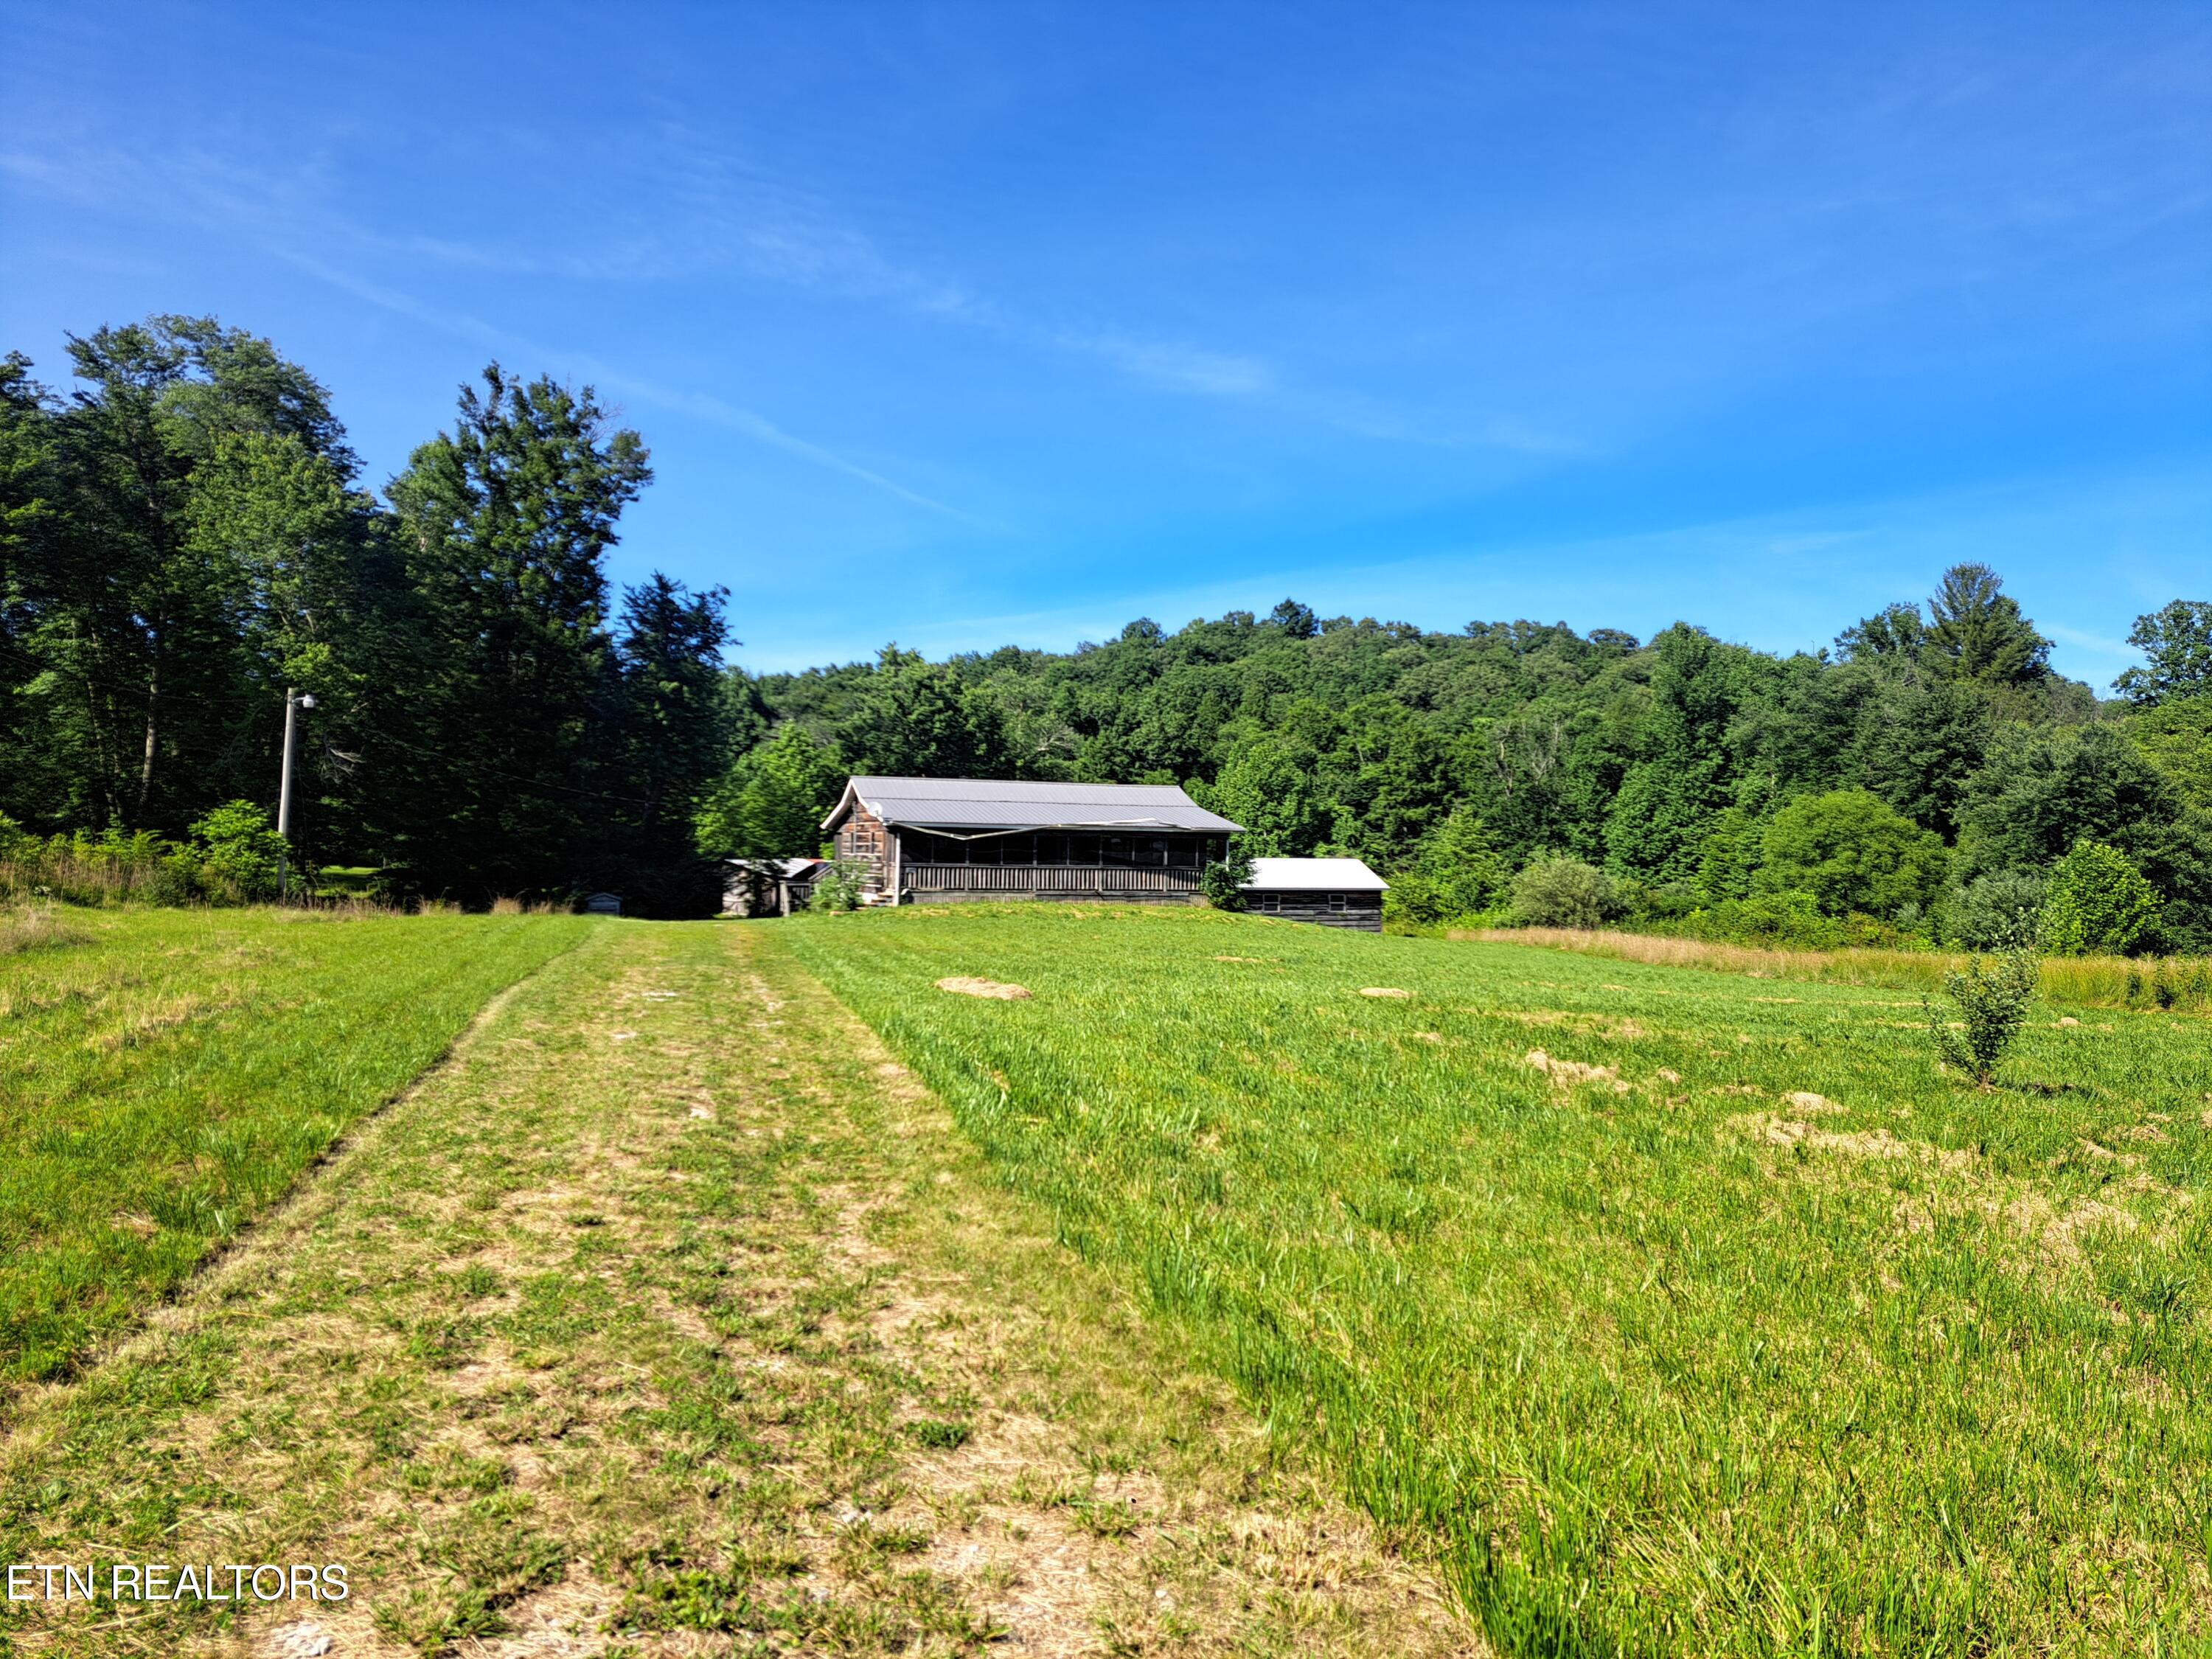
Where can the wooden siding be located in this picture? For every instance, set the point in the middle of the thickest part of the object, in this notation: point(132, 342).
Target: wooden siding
point(1073, 865)
point(1108, 849)
point(865, 839)
point(947, 881)
point(1361, 910)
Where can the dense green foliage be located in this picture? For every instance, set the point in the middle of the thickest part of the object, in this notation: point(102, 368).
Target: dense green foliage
point(1222, 882)
point(770, 802)
point(2096, 901)
point(230, 856)
point(1684, 1317)
point(2178, 640)
point(1851, 852)
point(1862, 793)
point(183, 537)
point(168, 1075)
point(1564, 893)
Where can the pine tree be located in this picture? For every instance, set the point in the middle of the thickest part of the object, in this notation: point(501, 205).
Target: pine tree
point(670, 725)
point(504, 522)
point(1978, 633)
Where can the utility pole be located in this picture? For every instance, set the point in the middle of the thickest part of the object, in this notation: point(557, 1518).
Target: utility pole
point(293, 702)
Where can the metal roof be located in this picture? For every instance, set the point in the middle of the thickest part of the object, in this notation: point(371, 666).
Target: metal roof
point(988, 804)
point(1313, 876)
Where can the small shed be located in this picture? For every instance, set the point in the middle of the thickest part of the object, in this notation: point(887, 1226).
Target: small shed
point(794, 882)
point(770, 887)
point(602, 904)
point(1335, 892)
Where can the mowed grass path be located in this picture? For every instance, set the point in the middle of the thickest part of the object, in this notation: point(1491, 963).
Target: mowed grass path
point(1667, 1360)
point(165, 1075)
point(670, 1316)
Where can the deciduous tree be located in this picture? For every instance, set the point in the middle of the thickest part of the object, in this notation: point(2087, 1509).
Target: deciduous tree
point(2178, 641)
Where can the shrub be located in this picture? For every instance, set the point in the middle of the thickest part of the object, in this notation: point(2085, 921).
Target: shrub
point(176, 879)
point(107, 868)
point(1661, 906)
point(1992, 1001)
point(238, 850)
point(1998, 911)
point(1223, 882)
point(2097, 901)
point(838, 888)
point(1562, 892)
point(1784, 918)
point(1456, 874)
point(1852, 851)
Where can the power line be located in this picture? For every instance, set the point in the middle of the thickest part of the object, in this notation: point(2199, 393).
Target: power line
point(516, 777)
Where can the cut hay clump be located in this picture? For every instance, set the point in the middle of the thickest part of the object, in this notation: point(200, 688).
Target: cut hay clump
point(1810, 1103)
point(1382, 991)
point(1571, 1072)
point(964, 986)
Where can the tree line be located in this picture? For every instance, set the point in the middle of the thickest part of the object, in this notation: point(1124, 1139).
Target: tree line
point(184, 536)
point(1928, 776)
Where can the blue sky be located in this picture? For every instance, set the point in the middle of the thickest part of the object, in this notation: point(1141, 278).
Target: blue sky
point(961, 325)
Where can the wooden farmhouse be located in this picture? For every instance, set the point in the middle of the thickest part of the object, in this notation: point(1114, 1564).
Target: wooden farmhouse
point(1336, 893)
point(929, 839)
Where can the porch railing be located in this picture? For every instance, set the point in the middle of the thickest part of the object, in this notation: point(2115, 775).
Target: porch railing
point(1102, 880)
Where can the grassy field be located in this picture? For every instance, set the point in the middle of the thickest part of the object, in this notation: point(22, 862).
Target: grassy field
point(167, 1074)
point(2165, 983)
point(1682, 1312)
point(670, 1315)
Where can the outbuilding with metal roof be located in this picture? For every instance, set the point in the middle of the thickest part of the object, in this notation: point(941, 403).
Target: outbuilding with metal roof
point(1335, 892)
point(937, 839)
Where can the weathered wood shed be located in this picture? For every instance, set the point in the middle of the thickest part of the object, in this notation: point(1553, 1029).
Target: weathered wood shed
point(1335, 892)
point(769, 887)
point(929, 839)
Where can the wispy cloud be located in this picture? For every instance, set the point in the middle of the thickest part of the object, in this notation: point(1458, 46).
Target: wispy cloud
point(709, 211)
point(1215, 373)
point(202, 190)
point(704, 406)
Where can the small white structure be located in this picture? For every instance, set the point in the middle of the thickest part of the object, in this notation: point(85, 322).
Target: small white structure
point(1335, 892)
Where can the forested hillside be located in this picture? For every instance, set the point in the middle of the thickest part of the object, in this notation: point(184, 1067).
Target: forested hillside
point(186, 534)
point(1931, 755)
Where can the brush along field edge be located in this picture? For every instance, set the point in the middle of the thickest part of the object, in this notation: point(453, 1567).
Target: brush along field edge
point(1687, 1312)
point(2181, 982)
point(671, 1315)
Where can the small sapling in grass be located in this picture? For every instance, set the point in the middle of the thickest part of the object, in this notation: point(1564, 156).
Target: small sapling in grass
point(1992, 1000)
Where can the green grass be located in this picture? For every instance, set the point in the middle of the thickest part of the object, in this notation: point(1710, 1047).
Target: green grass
point(1660, 1363)
point(811, 1384)
point(2183, 983)
point(165, 1075)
